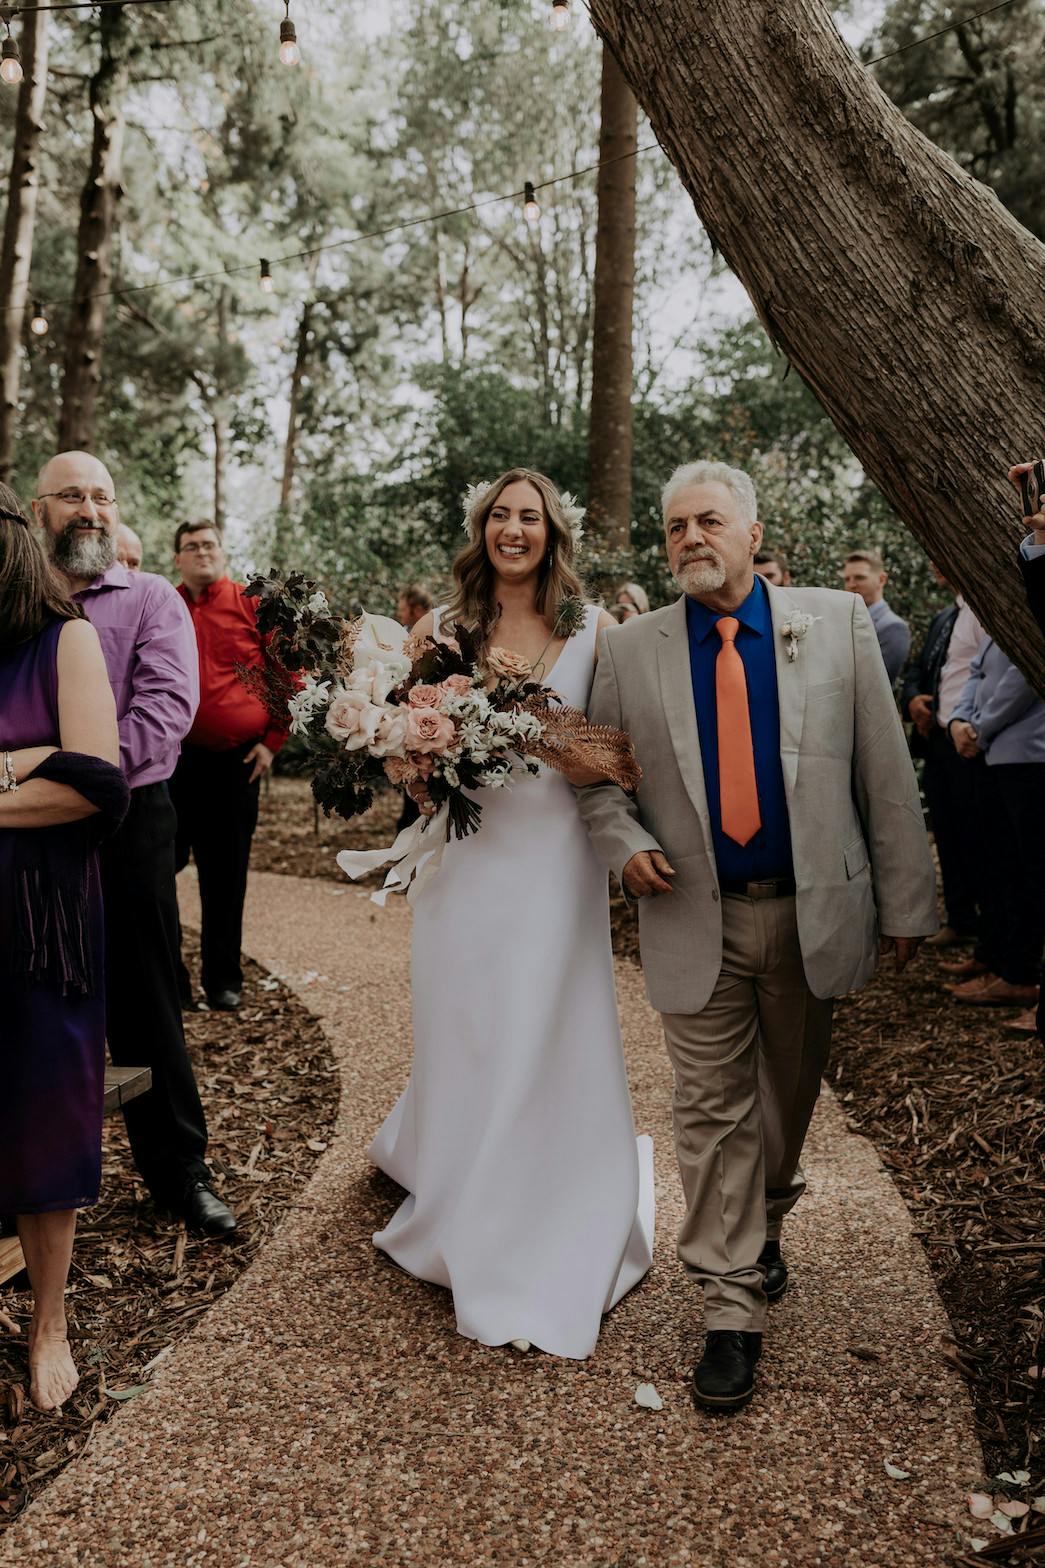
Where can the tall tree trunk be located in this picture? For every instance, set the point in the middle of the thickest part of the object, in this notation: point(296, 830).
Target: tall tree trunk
point(907, 298)
point(16, 254)
point(94, 244)
point(610, 442)
point(220, 412)
point(290, 445)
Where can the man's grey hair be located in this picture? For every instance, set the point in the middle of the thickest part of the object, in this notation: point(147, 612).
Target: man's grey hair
point(707, 472)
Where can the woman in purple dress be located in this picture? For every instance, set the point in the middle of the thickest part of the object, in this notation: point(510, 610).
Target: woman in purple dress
point(59, 790)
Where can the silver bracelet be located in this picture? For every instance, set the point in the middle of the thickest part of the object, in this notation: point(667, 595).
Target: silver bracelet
point(8, 780)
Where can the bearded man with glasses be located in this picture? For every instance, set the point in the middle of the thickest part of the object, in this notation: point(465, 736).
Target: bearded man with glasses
point(150, 652)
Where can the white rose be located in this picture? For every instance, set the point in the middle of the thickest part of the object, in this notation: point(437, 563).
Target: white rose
point(390, 737)
point(353, 718)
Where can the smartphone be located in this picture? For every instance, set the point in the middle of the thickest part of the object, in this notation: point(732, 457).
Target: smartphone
point(1032, 489)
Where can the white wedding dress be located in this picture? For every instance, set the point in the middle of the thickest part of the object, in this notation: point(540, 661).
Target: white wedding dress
point(529, 1195)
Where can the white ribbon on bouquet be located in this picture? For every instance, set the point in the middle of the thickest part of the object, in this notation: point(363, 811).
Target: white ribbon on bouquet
point(414, 858)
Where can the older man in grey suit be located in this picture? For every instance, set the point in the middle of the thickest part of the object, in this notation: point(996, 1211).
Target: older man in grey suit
point(775, 843)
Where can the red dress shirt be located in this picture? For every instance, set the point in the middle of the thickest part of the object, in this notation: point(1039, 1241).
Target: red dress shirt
point(226, 622)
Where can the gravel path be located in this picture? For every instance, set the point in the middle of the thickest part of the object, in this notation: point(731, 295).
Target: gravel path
point(325, 1411)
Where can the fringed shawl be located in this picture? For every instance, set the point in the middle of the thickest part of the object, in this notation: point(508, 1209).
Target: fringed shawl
point(52, 868)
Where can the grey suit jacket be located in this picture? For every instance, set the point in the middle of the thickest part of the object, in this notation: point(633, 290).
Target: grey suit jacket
point(861, 855)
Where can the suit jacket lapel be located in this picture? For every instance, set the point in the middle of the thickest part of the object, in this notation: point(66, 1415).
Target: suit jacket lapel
point(676, 687)
point(791, 679)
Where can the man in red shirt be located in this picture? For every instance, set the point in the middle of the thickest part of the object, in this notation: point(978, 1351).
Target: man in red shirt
point(230, 746)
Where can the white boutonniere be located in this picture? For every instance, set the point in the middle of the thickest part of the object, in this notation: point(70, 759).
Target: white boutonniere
point(794, 629)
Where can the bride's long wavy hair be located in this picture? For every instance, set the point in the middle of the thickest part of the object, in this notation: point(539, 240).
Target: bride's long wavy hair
point(473, 604)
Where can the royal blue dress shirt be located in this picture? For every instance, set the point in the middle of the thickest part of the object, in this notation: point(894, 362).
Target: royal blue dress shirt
point(768, 854)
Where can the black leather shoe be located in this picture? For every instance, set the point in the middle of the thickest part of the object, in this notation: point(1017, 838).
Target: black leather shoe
point(203, 1211)
point(725, 1377)
point(224, 1001)
point(775, 1282)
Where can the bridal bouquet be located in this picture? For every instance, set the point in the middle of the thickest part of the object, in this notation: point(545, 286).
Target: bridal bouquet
point(373, 703)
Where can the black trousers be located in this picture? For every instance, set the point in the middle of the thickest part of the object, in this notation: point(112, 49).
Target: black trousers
point(166, 1127)
point(217, 814)
point(1008, 827)
point(950, 793)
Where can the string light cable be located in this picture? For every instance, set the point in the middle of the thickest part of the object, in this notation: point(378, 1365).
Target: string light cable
point(951, 27)
point(354, 239)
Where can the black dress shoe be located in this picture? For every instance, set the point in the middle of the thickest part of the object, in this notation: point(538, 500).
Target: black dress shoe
point(203, 1211)
point(725, 1376)
point(224, 1001)
point(775, 1281)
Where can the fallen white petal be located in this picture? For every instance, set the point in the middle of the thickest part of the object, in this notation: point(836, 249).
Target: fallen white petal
point(895, 1473)
point(1038, 1504)
point(999, 1521)
point(980, 1505)
point(1014, 1510)
point(976, 1544)
point(646, 1396)
point(1014, 1477)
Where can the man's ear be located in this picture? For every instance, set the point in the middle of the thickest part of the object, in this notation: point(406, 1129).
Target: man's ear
point(883, 579)
point(757, 535)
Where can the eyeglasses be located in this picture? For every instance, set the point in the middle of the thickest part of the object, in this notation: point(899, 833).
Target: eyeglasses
point(206, 548)
point(79, 497)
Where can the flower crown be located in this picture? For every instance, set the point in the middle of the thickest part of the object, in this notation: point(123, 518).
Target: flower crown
point(571, 508)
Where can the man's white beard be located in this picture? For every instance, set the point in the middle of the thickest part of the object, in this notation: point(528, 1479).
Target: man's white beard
point(704, 575)
point(86, 558)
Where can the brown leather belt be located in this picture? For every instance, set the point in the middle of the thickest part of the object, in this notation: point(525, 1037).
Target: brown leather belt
point(771, 887)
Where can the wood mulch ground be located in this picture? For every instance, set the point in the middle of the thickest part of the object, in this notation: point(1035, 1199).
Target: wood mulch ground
point(138, 1282)
point(955, 1108)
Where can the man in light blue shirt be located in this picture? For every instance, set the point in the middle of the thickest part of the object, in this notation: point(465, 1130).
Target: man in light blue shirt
point(864, 573)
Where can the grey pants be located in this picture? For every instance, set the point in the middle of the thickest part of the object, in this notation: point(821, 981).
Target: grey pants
point(747, 1074)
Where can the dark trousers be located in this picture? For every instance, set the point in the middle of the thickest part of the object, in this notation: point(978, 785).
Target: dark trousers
point(217, 814)
point(948, 784)
point(1008, 827)
point(166, 1126)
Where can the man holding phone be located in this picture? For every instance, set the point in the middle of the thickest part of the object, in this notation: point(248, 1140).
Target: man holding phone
point(1029, 479)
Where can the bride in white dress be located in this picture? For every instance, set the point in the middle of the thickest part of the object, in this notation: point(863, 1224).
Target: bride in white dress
point(530, 1197)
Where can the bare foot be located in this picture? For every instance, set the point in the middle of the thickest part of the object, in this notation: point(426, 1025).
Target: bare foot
point(53, 1376)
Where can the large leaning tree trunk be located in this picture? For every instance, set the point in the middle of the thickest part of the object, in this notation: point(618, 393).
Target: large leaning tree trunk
point(94, 241)
point(908, 299)
point(16, 254)
point(610, 441)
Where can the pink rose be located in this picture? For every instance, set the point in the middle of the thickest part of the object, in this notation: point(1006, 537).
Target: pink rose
point(427, 730)
point(508, 666)
point(422, 696)
point(353, 718)
point(455, 686)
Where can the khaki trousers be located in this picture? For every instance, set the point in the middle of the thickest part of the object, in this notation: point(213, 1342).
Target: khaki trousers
point(747, 1075)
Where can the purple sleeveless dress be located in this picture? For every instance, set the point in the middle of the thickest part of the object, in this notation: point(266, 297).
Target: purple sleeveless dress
point(52, 1047)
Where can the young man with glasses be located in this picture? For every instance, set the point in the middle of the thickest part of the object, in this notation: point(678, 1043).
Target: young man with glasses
point(227, 751)
point(150, 652)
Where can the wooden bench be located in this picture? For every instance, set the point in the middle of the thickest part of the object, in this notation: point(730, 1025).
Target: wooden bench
point(121, 1084)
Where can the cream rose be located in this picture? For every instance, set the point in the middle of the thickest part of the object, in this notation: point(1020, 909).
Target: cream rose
point(390, 737)
point(353, 719)
point(428, 730)
point(508, 666)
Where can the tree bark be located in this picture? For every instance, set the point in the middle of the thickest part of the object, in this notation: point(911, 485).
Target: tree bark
point(610, 440)
point(290, 445)
point(94, 247)
point(907, 298)
point(16, 254)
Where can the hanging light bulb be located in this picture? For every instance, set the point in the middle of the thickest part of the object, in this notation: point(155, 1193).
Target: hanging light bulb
point(531, 206)
point(289, 52)
point(560, 15)
point(39, 324)
point(265, 278)
point(10, 60)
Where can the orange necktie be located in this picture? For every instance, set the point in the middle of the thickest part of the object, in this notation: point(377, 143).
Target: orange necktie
point(738, 792)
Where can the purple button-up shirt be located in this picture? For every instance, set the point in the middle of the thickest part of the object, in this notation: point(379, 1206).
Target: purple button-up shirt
point(150, 651)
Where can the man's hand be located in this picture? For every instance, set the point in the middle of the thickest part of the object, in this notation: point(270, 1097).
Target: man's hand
point(964, 737)
point(921, 710)
point(261, 757)
point(904, 947)
point(645, 873)
point(1037, 521)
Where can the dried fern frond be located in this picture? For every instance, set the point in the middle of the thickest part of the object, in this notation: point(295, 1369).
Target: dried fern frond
point(272, 686)
point(570, 741)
